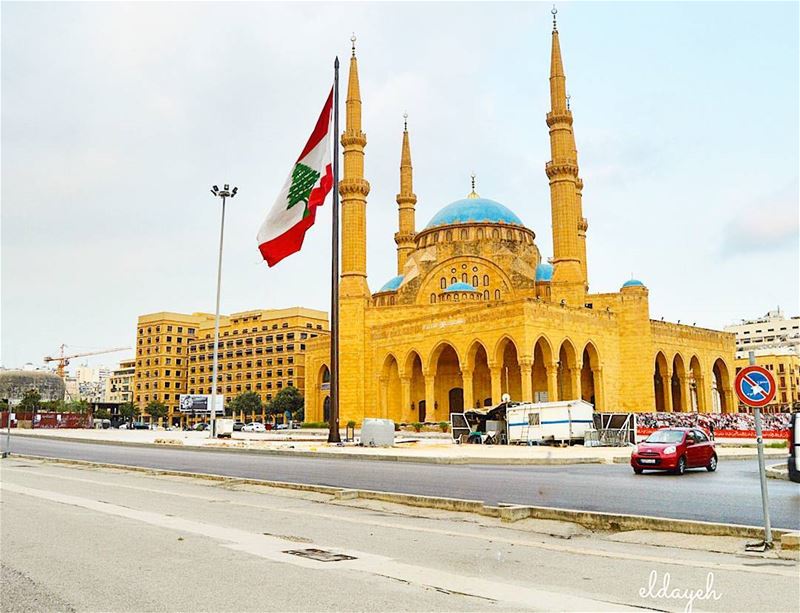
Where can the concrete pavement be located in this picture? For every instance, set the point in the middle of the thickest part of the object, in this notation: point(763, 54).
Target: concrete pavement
point(87, 539)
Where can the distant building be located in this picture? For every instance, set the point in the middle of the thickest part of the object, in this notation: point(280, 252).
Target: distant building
point(119, 386)
point(261, 351)
point(773, 330)
point(14, 384)
point(92, 383)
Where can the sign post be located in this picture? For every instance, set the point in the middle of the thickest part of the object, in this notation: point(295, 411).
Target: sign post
point(755, 387)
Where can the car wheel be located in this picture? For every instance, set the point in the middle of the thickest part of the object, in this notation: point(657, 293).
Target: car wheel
point(681, 466)
point(638, 470)
point(712, 464)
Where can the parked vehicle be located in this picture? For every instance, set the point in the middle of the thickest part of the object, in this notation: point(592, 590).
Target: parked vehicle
point(201, 427)
point(141, 425)
point(237, 426)
point(254, 426)
point(282, 427)
point(675, 450)
point(794, 447)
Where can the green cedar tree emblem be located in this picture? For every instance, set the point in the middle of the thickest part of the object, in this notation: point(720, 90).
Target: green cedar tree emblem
point(303, 180)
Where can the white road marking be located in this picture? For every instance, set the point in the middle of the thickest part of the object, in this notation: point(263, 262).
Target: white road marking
point(272, 548)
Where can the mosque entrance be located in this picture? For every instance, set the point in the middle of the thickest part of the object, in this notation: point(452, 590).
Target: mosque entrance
point(422, 411)
point(326, 411)
point(456, 400)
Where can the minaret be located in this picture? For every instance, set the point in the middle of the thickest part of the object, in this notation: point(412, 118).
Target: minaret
point(569, 279)
point(354, 189)
point(406, 200)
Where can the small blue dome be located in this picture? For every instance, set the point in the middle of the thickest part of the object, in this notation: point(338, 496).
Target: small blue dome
point(633, 283)
point(475, 210)
point(544, 272)
point(392, 284)
point(460, 287)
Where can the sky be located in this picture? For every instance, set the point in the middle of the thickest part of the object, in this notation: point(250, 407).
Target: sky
point(118, 117)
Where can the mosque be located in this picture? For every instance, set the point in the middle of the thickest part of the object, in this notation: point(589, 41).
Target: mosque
point(476, 311)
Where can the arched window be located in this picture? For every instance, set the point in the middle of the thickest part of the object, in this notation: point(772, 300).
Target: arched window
point(464, 234)
point(509, 235)
point(480, 233)
point(486, 294)
point(453, 280)
point(449, 236)
point(497, 294)
point(433, 298)
point(464, 277)
point(474, 280)
point(486, 279)
point(443, 283)
point(495, 233)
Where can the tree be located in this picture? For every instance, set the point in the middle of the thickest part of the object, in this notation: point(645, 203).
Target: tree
point(102, 414)
point(288, 400)
point(128, 411)
point(76, 406)
point(246, 402)
point(157, 410)
point(30, 401)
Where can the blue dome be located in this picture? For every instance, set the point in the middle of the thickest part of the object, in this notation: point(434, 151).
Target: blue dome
point(544, 272)
point(460, 287)
point(392, 284)
point(474, 209)
point(633, 283)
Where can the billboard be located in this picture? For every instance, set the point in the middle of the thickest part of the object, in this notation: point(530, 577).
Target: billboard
point(200, 403)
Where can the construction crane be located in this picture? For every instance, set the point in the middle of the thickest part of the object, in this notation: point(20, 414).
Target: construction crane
point(63, 360)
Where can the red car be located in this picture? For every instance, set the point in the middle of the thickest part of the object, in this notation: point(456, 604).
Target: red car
point(675, 450)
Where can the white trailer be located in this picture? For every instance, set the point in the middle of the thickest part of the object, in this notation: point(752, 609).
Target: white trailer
point(558, 422)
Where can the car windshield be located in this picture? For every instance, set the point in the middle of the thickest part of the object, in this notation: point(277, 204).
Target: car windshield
point(665, 436)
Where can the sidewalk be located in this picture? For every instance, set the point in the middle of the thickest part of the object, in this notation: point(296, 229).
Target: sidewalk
point(408, 447)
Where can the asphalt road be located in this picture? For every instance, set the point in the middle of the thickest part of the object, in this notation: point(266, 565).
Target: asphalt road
point(731, 495)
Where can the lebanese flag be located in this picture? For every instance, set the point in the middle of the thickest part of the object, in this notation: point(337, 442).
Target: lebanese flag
point(295, 209)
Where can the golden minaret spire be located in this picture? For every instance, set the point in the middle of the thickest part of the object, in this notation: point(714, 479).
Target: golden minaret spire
point(406, 200)
point(569, 249)
point(354, 189)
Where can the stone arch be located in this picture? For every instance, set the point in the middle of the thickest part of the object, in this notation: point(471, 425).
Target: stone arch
point(722, 399)
point(323, 392)
point(506, 360)
point(477, 364)
point(697, 399)
point(414, 373)
point(568, 381)
point(679, 384)
point(390, 392)
point(590, 367)
point(543, 363)
point(661, 383)
point(448, 389)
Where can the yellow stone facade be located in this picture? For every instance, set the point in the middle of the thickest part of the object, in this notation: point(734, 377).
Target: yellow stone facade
point(476, 312)
point(261, 351)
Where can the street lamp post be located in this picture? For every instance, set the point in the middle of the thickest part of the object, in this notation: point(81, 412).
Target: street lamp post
point(224, 193)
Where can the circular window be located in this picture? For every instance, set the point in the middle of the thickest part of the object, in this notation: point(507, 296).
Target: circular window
point(452, 270)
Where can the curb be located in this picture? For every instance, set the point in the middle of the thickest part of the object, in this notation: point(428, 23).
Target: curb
point(342, 456)
point(378, 458)
point(592, 520)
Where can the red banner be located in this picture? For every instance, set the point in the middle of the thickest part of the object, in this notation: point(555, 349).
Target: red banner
point(772, 434)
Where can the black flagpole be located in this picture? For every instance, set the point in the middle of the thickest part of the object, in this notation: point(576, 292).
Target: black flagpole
point(333, 423)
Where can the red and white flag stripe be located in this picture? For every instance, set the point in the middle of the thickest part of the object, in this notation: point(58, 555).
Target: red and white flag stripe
point(309, 182)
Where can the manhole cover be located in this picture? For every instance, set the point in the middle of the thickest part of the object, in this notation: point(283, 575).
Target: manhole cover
point(320, 555)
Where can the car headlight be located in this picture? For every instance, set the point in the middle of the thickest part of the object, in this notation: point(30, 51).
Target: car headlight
point(669, 450)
